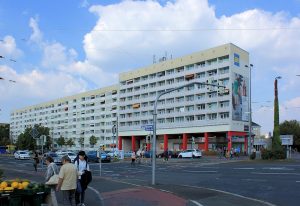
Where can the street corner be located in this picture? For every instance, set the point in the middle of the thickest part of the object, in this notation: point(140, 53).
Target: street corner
point(142, 196)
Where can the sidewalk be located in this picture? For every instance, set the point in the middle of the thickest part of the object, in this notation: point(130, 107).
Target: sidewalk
point(115, 193)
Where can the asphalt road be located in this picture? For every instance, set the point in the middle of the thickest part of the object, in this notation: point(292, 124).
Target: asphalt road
point(206, 181)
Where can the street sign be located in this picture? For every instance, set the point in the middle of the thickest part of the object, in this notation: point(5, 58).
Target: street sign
point(34, 133)
point(286, 139)
point(147, 127)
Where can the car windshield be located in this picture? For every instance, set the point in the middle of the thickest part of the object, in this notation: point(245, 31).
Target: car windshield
point(92, 153)
point(53, 155)
point(23, 153)
point(71, 154)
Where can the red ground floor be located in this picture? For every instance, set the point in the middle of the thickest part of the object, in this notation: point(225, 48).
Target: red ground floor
point(204, 141)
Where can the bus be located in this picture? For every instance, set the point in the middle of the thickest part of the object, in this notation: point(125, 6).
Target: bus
point(7, 149)
point(3, 149)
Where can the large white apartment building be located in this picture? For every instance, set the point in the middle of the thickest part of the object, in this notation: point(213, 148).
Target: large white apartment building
point(82, 115)
point(197, 116)
point(194, 116)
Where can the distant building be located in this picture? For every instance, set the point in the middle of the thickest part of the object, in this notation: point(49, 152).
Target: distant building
point(81, 115)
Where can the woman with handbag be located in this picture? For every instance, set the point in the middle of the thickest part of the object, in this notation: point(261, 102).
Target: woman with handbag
point(51, 178)
point(82, 166)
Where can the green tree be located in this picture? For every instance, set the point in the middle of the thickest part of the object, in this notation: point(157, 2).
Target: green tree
point(81, 141)
point(291, 128)
point(70, 142)
point(276, 142)
point(61, 141)
point(26, 141)
point(4, 134)
point(93, 140)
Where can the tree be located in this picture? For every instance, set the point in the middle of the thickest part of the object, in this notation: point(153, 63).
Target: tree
point(61, 141)
point(276, 142)
point(93, 140)
point(291, 127)
point(70, 142)
point(26, 141)
point(81, 141)
point(4, 134)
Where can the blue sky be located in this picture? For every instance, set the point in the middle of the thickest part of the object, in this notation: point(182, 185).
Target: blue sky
point(59, 48)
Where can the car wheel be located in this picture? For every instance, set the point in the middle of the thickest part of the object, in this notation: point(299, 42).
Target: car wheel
point(179, 156)
point(193, 156)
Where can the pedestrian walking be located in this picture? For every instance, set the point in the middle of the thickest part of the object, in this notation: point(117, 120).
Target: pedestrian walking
point(133, 157)
point(67, 181)
point(36, 161)
point(52, 170)
point(82, 166)
point(220, 153)
point(166, 155)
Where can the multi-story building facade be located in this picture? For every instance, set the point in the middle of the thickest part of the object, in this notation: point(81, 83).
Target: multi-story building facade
point(195, 116)
point(82, 115)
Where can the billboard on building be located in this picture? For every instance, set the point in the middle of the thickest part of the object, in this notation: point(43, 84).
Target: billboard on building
point(240, 98)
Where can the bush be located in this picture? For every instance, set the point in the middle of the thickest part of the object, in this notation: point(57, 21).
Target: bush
point(278, 154)
point(274, 154)
point(266, 154)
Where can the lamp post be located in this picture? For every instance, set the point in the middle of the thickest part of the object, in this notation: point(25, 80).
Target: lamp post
point(250, 111)
point(276, 132)
point(155, 117)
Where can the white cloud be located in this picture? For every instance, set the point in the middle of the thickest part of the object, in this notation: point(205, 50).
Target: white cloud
point(37, 35)
point(56, 54)
point(8, 48)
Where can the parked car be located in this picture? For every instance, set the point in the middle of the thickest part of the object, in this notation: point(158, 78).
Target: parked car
point(148, 154)
point(21, 155)
point(71, 155)
point(190, 153)
point(171, 154)
point(56, 158)
point(94, 156)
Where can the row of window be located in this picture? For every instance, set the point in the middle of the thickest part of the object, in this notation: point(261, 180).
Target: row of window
point(190, 118)
point(174, 81)
point(178, 70)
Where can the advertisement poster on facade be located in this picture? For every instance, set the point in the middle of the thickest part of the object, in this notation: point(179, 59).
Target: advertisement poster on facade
point(240, 98)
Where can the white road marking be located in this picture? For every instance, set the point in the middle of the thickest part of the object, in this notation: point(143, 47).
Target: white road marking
point(297, 181)
point(244, 168)
point(200, 171)
point(275, 173)
point(277, 168)
point(98, 194)
point(255, 180)
point(229, 193)
point(196, 203)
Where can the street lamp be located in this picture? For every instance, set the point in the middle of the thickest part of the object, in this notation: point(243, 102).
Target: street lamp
point(155, 117)
point(250, 111)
